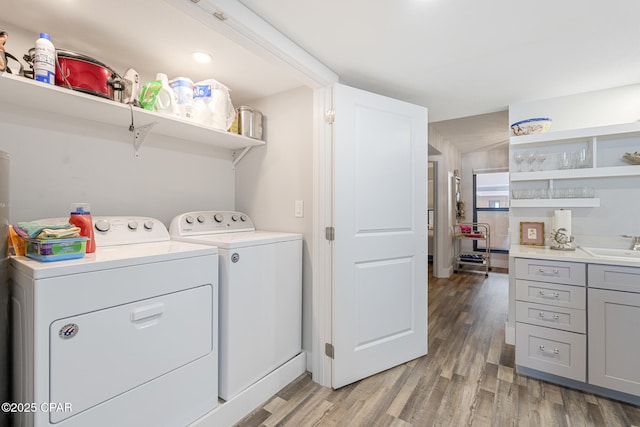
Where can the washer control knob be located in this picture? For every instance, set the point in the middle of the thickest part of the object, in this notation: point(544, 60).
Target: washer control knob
point(200, 219)
point(133, 224)
point(189, 219)
point(218, 217)
point(243, 218)
point(102, 225)
point(148, 225)
point(234, 217)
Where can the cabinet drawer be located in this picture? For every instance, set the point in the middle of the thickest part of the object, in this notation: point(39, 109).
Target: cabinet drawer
point(552, 351)
point(551, 294)
point(569, 273)
point(568, 319)
point(614, 277)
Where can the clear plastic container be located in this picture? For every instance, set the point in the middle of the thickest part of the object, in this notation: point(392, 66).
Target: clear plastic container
point(56, 249)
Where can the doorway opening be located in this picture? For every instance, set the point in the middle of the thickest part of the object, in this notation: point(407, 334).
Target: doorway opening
point(431, 207)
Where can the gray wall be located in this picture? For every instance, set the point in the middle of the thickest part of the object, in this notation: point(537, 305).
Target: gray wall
point(56, 161)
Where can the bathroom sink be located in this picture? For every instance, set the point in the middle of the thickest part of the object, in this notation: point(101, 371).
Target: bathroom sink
point(612, 253)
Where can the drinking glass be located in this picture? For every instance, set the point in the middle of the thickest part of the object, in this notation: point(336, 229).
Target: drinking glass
point(567, 160)
point(531, 158)
point(518, 158)
point(582, 158)
point(541, 157)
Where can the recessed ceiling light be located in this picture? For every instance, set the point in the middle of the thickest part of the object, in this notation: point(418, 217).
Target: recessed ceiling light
point(201, 57)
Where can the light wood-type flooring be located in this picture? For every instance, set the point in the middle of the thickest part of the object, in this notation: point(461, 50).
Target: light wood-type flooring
point(466, 379)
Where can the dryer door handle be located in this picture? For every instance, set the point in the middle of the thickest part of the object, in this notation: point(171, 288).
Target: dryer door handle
point(146, 312)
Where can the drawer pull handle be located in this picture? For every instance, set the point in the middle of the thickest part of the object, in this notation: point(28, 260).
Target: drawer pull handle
point(554, 351)
point(552, 295)
point(542, 316)
point(543, 271)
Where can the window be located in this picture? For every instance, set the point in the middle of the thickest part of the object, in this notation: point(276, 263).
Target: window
point(491, 206)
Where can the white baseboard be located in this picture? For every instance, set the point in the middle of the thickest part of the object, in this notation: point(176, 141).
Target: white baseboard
point(230, 412)
point(509, 334)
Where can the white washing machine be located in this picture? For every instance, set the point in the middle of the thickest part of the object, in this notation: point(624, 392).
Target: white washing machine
point(126, 336)
point(260, 294)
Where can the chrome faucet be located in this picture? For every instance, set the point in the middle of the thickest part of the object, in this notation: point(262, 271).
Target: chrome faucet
point(635, 241)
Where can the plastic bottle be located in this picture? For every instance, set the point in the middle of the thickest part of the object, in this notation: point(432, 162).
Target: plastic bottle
point(44, 61)
point(183, 87)
point(81, 217)
point(167, 100)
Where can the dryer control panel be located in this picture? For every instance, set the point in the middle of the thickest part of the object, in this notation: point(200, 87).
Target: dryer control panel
point(210, 222)
point(124, 230)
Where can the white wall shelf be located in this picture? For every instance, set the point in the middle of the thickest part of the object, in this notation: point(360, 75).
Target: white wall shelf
point(576, 134)
point(22, 92)
point(604, 172)
point(555, 203)
point(602, 148)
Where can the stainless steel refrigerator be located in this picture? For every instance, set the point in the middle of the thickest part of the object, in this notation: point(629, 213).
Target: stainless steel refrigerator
point(5, 354)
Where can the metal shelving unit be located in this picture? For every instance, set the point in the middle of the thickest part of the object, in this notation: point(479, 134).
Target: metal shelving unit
point(472, 231)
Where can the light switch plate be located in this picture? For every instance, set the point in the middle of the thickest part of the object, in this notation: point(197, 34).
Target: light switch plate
point(299, 209)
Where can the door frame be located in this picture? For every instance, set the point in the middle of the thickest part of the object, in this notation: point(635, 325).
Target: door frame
point(321, 256)
point(434, 190)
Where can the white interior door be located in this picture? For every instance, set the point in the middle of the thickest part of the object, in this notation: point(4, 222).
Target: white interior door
point(379, 317)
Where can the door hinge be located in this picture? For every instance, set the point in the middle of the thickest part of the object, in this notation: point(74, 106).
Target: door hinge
point(221, 16)
point(328, 350)
point(330, 233)
point(330, 116)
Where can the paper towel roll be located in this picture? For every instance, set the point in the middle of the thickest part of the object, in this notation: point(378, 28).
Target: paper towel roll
point(562, 219)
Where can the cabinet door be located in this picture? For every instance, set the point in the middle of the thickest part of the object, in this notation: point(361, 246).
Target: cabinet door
point(614, 344)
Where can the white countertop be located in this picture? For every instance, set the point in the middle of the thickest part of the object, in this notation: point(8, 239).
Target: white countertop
point(544, 252)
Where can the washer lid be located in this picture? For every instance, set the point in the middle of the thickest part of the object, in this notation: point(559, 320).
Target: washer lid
point(241, 239)
point(113, 257)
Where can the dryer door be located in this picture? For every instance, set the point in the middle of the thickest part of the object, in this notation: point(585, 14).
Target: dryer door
point(96, 356)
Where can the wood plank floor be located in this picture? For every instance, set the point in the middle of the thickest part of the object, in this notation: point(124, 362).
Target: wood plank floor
point(467, 379)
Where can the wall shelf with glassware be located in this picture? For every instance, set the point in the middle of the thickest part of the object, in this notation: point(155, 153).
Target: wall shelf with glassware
point(555, 203)
point(606, 151)
point(20, 92)
point(598, 152)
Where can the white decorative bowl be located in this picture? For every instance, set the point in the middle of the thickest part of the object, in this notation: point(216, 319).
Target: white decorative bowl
point(633, 158)
point(530, 126)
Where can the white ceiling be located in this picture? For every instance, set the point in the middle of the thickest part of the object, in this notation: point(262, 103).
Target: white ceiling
point(459, 59)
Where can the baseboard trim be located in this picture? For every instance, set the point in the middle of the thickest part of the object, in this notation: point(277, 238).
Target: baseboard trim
point(509, 334)
point(230, 412)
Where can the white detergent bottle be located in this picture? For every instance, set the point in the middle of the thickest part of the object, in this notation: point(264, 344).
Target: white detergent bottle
point(167, 100)
point(44, 61)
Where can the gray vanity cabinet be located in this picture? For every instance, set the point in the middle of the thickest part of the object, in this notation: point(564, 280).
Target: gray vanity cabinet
point(614, 327)
point(551, 317)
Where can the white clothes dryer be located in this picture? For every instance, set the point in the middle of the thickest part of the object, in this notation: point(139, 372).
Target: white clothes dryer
point(260, 278)
point(125, 336)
